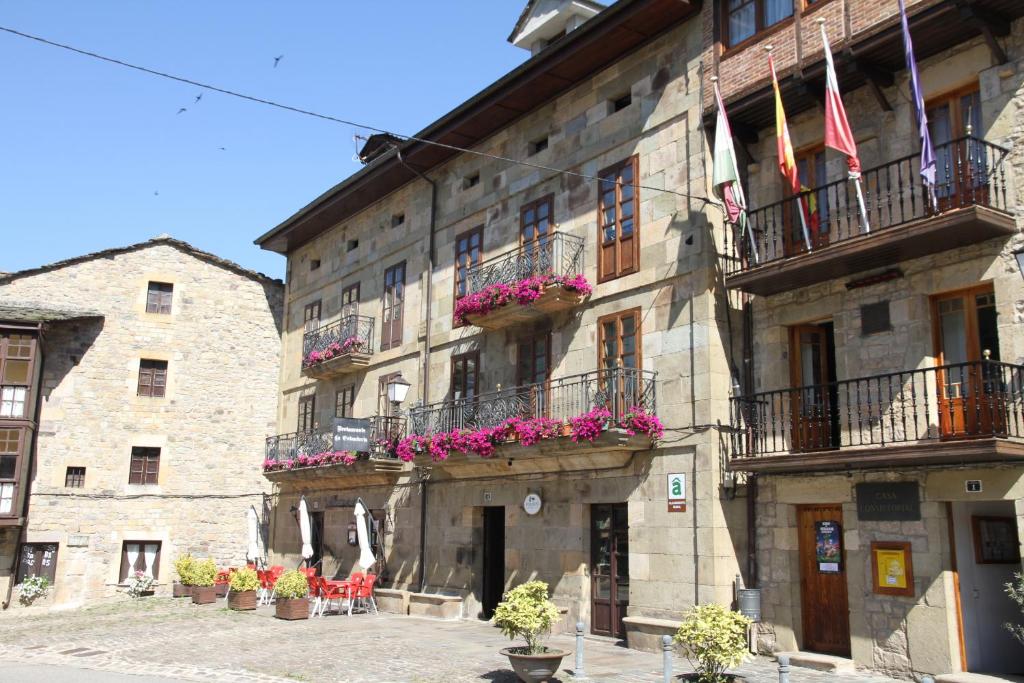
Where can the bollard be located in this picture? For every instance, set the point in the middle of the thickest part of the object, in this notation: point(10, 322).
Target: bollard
point(577, 671)
point(666, 658)
point(783, 668)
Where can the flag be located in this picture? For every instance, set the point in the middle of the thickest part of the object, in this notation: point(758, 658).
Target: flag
point(725, 174)
point(838, 135)
point(787, 160)
point(927, 152)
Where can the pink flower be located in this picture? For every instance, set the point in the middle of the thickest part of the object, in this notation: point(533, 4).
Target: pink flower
point(523, 292)
point(589, 426)
point(639, 421)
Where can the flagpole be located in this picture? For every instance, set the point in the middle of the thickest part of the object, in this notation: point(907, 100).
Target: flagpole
point(798, 198)
point(743, 221)
point(860, 201)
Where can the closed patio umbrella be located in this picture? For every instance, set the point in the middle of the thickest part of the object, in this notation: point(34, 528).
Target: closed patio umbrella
point(366, 557)
point(253, 524)
point(305, 530)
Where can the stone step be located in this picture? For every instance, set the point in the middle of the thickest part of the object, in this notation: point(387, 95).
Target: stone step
point(820, 662)
point(966, 677)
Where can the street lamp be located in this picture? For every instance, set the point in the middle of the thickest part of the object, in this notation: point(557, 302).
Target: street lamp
point(398, 389)
point(1019, 255)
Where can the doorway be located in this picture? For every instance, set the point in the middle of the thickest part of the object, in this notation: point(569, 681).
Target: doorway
point(609, 568)
point(824, 604)
point(987, 554)
point(493, 559)
point(316, 528)
point(812, 370)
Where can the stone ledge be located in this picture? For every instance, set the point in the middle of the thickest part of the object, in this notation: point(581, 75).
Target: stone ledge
point(819, 662)
point(644, 633)
point(435, 605)
point(392, 600)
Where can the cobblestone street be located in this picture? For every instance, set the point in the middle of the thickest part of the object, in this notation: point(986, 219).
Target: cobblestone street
point(177, 640)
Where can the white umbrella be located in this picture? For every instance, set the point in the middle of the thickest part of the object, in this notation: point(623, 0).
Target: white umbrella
point(253, 524)
point(366, 558)
point(304, 530)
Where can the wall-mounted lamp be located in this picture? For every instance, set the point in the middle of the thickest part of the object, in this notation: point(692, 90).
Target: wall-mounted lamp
point(353, 536)
point(1019, 255)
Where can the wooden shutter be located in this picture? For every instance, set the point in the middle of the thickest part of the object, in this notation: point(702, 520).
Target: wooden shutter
point(145, 466)
point(38, 559)
point(152, 378)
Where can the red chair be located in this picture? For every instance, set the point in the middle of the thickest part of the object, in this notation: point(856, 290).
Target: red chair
point(314, 588)
point(364, 593)
point(334, 590)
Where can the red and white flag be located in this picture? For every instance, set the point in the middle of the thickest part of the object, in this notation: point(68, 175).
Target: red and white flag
point(838, 135)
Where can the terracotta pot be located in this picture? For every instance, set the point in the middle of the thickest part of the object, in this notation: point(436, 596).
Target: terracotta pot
point(291, 608)
point(535, 668)
point(203, 595)
point(242, 600)
point(221, 589)
point(180, 590)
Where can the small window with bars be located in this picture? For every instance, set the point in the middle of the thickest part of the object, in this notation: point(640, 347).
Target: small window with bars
point(158, 297)
point(74, 478)
point(152, 378)
point(145, 466)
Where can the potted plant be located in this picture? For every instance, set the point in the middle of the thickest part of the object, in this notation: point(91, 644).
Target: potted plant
point(713, 638)
point(527, 613)
point(33, 588)
point(204, 573)
point(140, 585)
point(182, 588)
point(244, 584)
point(291, 589)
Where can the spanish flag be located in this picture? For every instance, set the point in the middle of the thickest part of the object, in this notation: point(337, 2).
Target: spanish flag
point(787, 160)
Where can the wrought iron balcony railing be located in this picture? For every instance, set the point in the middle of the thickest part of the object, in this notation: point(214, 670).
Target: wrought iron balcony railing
point(962, 400)
point(970, 172)
point(617, 389)
point(351, 334)
point(384, 428)
point(557, 254)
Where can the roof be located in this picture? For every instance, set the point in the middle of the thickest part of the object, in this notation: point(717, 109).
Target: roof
point(617, 31)
point(596, 6)
point(159, 240)
point(34, 314)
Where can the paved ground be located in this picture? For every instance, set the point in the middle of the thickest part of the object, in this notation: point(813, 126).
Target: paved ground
point(158, 639)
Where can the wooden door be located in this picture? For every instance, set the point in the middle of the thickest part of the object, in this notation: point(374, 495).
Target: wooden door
point(971, 390)
point(960, 160)
point(618, 239)
point(533, 370)
point(311, 316)
point(307, 413)
point(810, 365)
point(619, 360)
point(823, 598)
point(813, 175)
point(392, 313)
point(350, 301)
point(535, 237)
point(609, 568)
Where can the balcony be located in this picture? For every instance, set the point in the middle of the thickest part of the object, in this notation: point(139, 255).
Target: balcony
point(622, 392)
point(904, 222)
point(338, 348)
point(525, 284)
point(964, 412)
point(310, 455)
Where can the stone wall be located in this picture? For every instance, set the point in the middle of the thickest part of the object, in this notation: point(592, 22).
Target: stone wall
point(222, 346)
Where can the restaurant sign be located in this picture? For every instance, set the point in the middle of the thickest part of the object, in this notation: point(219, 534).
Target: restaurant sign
point(352, 435)
point(891, 501)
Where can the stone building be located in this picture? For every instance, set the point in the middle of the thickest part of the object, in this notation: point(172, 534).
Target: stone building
point(148, 373)
point(878, 428)
point(377, 266)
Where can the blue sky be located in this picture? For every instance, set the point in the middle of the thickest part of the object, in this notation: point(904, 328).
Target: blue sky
point(95, 155)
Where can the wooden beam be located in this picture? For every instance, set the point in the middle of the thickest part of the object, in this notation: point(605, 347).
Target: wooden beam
point(990, 24)
point(876, 76)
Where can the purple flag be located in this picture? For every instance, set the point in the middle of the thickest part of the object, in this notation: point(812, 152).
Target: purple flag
point(927, 152)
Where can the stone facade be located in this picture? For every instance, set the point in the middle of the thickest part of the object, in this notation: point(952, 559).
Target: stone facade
point(222, 346)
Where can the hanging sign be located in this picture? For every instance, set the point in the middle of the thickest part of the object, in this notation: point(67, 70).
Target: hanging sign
point(828, 543)
point(677, 493)
point(352, 435)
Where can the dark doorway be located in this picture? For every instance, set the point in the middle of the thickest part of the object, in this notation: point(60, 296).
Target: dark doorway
point(609, 565)
point(316, 528)
point(493, 559)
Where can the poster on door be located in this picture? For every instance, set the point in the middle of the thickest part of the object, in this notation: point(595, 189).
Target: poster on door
point(828, 546)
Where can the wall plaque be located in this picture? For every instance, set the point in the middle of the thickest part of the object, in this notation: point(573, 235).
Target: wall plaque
point(352, 435)
point(677, 493)
point(898, 501)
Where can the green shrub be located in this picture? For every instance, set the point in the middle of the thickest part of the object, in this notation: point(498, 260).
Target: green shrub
point(204, 573)
point(292, 584)
point(244, 580)
point(183, 566)
point(527, 613)
point(713, 638)
point(1016, 593)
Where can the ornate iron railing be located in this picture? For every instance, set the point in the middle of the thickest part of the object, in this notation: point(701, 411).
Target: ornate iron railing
point(557, 254)
point(962, 400)
point(384, 429)
point(970, 172)
point(617, 389)
point(351, 334)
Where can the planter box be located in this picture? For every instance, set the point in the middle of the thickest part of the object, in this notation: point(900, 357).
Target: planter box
point(203, 595)
point(535, 668)
point(292, 608)
point(180, 590)
point(221, 589)
point(242, 600)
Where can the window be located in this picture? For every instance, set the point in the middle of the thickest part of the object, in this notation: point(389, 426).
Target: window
point(351, 245)
point(344, 400)
point(471, 180)
point(158, 297)
point(535, 224)
point(538, 145)
point(618, 241)
point(813, 174)
point(74, 478)
point(152, 378)
point(314, 264)
point(959, 161)
point(391, 316)
point(15, 373)
point(533, 359)
point(621, 102)
point(397, 219)
point(744, 18)
point(145, 466)
point(10, 442)
point(619, 340)
point(469, 248)
point(350, 300)
point(307, 413)
point(140, 556)
point(466, 375)
point(311, 316)
point(38, 559)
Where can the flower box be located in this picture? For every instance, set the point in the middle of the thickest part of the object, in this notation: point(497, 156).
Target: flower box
point(220, 589)
point(291, 608)
point(180, 590)
point(203, 595)
point(242, 600)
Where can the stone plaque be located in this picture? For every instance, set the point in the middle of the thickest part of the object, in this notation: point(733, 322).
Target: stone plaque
point(352, 435)
point(78, 540)
point(898, 501)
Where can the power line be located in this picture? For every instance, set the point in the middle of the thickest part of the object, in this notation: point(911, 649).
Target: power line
point(335, 119)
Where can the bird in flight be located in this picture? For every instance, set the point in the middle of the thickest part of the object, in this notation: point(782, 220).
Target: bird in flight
point(155, 193)
point(223, 149)
point(182, 111)
point(199, 97)
point(277, 59)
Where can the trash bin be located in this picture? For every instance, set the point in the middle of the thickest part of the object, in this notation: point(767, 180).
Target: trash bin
point(749, 603)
